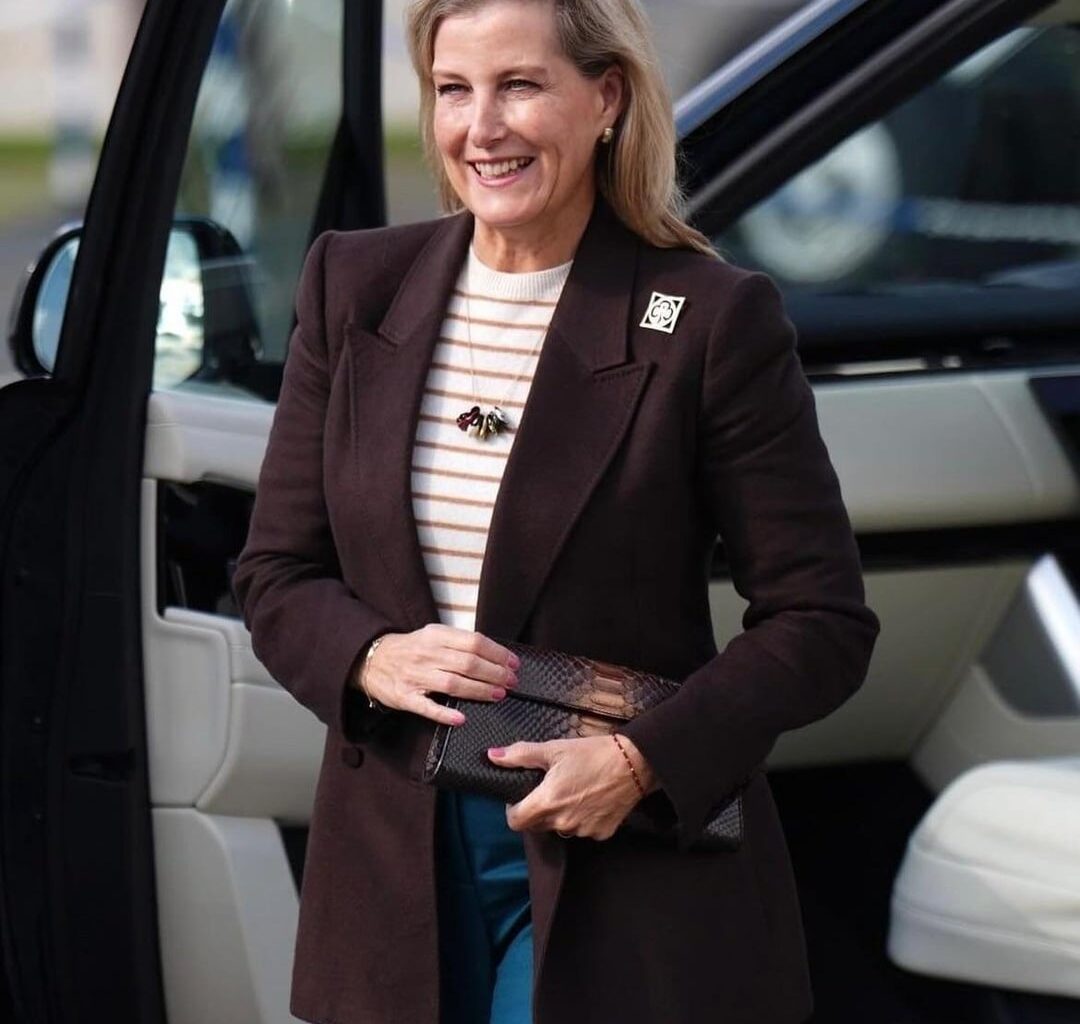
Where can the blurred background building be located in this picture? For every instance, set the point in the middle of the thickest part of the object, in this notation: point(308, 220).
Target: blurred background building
point(60, 67)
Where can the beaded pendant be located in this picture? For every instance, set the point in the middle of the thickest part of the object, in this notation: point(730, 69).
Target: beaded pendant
point(483, 425)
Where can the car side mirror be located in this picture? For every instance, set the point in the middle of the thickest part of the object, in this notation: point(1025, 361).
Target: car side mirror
point(207, 328)
point(38, 311)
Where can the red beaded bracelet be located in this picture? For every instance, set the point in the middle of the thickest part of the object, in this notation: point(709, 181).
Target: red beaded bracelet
point(629, 764)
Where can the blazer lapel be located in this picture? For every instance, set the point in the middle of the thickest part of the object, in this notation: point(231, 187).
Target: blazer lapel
point(388, 371)
point(580, 404)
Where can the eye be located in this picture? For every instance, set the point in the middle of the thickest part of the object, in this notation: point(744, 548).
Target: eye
point(519, 84)
point(448, 88)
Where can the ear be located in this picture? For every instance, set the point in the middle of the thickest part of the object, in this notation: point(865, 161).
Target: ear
point(612, 93)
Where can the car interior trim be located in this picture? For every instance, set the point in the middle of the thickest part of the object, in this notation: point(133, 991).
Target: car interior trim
point(1034, 656)
point(227, 954)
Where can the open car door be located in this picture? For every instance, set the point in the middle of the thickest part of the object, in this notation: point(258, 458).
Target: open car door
point(142, 871)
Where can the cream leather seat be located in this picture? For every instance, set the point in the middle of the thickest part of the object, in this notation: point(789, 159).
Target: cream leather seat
point(989, 889)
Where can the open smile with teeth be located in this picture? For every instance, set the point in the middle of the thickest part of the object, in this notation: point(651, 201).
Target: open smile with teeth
point(500, 168)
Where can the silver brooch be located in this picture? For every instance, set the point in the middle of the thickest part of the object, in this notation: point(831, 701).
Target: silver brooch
point(663, 311)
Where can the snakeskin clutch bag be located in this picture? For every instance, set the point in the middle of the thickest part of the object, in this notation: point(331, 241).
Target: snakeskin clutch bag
point(560, 696)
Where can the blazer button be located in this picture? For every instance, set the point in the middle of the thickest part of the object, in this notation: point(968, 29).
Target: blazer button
point(352, 756)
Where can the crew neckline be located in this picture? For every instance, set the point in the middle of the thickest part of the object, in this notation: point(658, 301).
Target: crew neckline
point(508, 284)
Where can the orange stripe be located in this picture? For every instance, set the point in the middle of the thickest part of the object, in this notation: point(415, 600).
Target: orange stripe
point(456, 607)
point(508, 302)
point(479, 373)
point(461, 394)
point(469, 580)
point(498, 323)
point(458, 448)
point(439, 471)
point(454, 501)
point(440, 525)
point(512, 349)
point(450, 551)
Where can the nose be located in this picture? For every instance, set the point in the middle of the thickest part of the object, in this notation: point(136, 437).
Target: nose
point(487, 126)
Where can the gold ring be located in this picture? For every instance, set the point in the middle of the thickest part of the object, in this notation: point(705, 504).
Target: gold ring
point(565, 835)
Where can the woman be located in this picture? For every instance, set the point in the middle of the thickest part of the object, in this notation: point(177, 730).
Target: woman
point(412, 513)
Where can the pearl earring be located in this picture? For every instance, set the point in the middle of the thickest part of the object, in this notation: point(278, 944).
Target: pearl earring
point(607, 135)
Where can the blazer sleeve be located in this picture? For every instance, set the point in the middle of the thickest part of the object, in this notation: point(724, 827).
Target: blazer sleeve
point(307, 627)
point(772, 492)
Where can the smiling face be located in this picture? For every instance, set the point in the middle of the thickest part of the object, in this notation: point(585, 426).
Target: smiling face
point(517, 125)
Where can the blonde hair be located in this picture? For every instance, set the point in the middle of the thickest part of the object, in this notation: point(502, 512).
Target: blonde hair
point(636, 171)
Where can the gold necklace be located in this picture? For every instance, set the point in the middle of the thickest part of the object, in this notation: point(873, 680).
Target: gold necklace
point(495, 420)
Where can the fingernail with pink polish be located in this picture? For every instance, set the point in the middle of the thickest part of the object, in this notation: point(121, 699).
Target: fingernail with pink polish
point(496, 751)
point(515, 661)
point(498, 693)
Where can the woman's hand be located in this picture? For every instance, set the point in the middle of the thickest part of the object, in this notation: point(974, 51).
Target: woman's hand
point(437, 658)
point(587, 789)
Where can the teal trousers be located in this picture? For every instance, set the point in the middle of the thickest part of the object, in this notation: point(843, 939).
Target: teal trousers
point(485, 923)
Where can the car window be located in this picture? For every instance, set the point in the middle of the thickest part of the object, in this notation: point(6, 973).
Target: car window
point(966, 194)
point(264, 121)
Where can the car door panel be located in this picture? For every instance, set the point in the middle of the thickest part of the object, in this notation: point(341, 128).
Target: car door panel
point(228, 910)
point(934, 622)
point(966, 450)
point(192, 437)
point(951, 453)
point(233, 756)
point(939, 451)
point(978, 726)
point(186, 690)
point(272, 759)
point(219, 725)
point(1020, 698)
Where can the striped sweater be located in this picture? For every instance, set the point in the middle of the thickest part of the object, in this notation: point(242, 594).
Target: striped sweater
point(455, 475)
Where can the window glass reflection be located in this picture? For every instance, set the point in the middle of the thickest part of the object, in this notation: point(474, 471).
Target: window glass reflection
point(976, 180)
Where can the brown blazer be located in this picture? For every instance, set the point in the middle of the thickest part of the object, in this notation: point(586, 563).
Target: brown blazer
point(635, 449)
